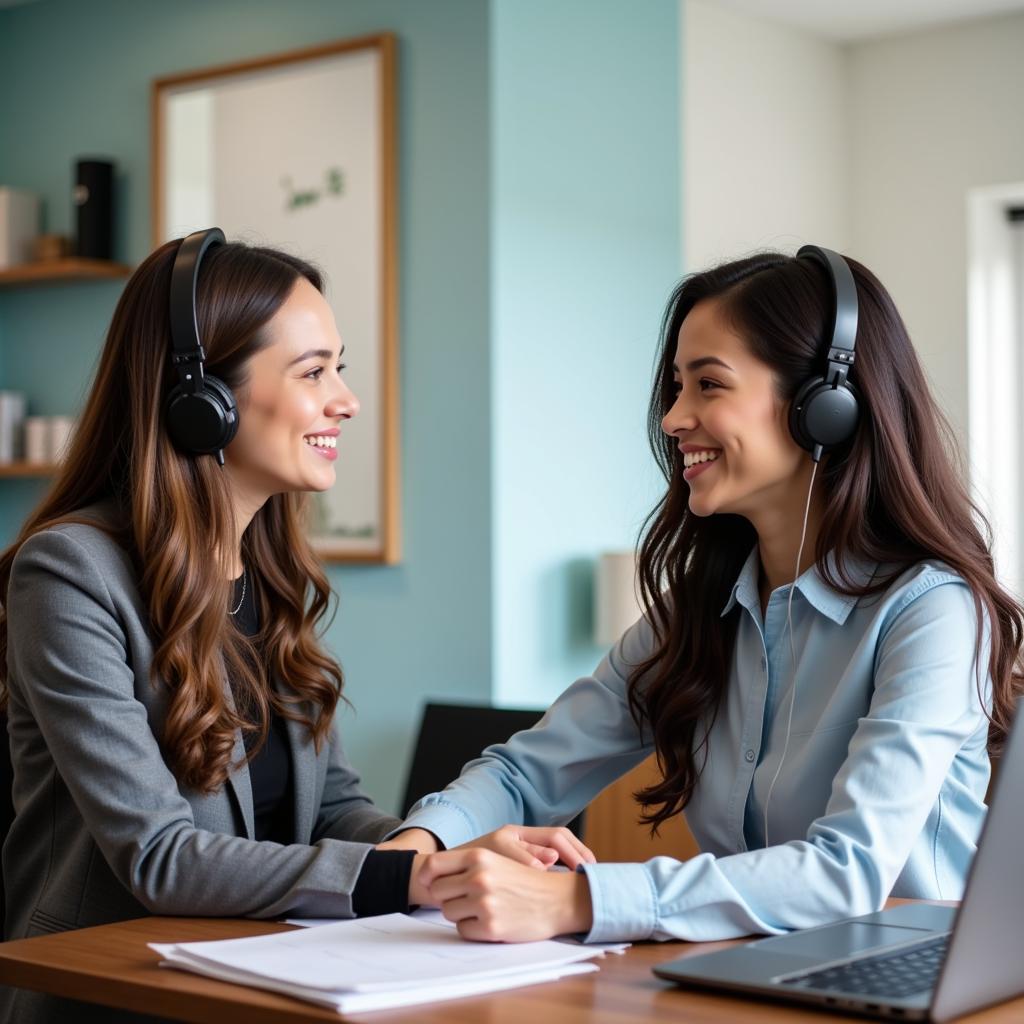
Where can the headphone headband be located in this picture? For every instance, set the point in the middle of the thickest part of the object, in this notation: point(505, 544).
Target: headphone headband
point(187, 351)
point(843, 334)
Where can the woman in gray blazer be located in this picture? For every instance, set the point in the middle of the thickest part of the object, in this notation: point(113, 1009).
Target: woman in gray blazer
point(170, 703)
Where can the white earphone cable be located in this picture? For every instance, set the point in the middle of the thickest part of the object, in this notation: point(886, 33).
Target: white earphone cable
point(792, 649)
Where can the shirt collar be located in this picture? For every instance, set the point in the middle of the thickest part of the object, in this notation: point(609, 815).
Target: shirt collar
point(811, 584)
point(744, 590)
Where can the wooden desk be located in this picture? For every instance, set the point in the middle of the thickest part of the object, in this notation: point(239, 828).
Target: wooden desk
point(112, 965)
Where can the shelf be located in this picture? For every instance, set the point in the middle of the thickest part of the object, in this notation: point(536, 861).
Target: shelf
point(59, 271)
point(27, 469)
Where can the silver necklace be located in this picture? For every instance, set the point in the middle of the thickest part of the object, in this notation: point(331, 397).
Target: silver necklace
point(242, 598)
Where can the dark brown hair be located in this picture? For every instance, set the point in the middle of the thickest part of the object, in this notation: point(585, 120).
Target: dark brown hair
point(893, 494)
point(173, 510)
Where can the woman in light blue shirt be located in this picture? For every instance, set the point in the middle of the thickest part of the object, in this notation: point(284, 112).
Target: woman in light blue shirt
point(827, 739)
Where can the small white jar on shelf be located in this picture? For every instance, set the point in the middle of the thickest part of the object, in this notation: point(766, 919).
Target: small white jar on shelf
point(37, 439)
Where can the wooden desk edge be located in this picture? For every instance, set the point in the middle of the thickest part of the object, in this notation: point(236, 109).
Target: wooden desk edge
point(159, 993)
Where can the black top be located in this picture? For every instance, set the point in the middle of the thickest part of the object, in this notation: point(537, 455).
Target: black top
point(383, 884)
point(271, 769)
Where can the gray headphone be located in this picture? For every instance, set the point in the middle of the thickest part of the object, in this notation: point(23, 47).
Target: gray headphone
point(826, 409)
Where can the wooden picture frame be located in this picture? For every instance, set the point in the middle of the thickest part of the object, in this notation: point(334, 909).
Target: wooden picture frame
point(296, 150)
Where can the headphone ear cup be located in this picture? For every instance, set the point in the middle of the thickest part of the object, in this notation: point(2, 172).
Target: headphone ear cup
point(229, 410)
point(202, 423)
point(821, 414)
point(796, 410)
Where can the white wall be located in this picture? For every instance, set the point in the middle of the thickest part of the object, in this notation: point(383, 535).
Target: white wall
point(934, 114)
point(765, 126)
point(869, 147)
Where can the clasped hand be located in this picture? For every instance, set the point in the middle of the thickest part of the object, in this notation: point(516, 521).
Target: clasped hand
point(497, 888)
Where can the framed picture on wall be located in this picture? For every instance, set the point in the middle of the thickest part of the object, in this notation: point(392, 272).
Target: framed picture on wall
point(297, 151)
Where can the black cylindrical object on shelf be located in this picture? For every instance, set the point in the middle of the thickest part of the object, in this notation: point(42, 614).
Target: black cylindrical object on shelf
point(94, 206)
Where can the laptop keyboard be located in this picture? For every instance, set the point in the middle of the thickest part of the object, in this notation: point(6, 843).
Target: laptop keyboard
point(890, 974)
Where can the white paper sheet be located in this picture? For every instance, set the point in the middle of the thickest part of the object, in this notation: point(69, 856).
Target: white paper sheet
point(434, 916)
point(375, 962)
point(358, 1002)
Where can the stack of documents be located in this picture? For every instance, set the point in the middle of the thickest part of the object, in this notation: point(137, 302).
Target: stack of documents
point(374, 963)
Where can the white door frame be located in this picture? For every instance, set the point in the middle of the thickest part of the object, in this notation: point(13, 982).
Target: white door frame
point(995, 374)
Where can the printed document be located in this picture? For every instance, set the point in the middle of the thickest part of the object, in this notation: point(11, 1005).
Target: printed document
point(377, 962)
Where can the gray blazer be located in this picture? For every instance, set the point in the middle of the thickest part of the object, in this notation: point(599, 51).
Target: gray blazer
point(103, 831)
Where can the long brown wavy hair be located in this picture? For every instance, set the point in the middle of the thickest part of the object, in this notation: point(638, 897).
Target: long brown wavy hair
point(173, 514)
point(894, 494)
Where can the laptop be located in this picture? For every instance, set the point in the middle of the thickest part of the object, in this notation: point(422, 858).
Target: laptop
point(912, 962)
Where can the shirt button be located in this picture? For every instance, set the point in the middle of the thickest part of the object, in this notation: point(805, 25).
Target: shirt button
point(749, 755)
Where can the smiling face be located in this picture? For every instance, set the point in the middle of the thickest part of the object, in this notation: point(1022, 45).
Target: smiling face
point(292, 404)
point(729, 423)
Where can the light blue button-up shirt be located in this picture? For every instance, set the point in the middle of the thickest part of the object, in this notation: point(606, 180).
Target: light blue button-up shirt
point(881, 790)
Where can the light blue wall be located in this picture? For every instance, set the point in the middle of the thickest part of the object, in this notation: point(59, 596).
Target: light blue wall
point(538, 240)
point(585, 249)
point(74, 80)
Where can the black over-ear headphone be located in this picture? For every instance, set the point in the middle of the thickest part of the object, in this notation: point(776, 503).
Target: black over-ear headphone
point(825, 411)
point(201, 413)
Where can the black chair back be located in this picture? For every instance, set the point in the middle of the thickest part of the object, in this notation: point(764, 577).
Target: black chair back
point(452, 734)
